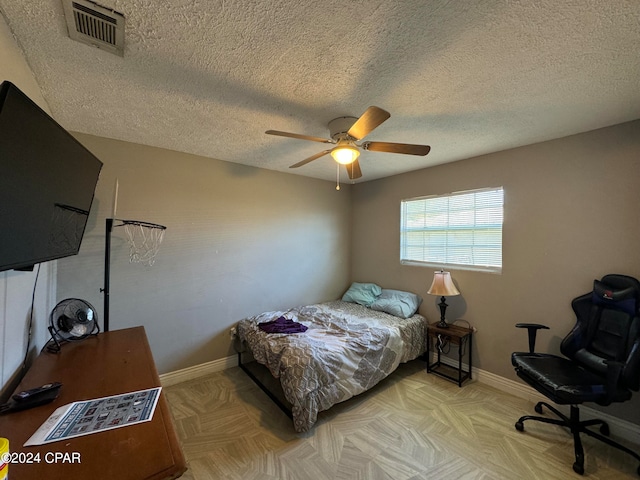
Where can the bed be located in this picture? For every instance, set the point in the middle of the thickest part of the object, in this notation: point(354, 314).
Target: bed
point(347, 349)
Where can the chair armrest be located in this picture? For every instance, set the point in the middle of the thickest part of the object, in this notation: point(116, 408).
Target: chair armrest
point(532, 328)
point(614, 369)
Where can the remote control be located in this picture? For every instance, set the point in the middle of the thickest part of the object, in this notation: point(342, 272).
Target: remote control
point(48, 390)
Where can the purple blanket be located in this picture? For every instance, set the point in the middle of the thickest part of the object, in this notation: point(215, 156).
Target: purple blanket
point(282, 325)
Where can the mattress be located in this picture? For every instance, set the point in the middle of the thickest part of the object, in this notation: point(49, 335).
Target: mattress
point(346, 350)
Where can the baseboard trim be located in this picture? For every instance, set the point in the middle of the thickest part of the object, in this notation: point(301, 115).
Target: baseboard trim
point(191, 373)
point(619, 428)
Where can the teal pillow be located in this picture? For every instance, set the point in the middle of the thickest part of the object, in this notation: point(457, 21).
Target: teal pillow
point(398, 303)
point(362, 293)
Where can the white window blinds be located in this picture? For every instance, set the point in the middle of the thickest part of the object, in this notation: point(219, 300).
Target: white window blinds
point(462, 230)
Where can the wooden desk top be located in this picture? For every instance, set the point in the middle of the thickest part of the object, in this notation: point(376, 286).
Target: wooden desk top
point(108, 364)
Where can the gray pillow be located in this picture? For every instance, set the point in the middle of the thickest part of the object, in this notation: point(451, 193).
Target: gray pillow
point(362, 293)
point(398, 303)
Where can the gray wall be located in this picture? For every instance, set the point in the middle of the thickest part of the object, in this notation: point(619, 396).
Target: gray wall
point(571, 215)
point(239, 241)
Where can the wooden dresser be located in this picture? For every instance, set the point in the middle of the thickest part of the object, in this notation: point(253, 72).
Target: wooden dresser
point(110, 363)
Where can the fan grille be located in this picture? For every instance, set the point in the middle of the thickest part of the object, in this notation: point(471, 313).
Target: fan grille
point(73, 319)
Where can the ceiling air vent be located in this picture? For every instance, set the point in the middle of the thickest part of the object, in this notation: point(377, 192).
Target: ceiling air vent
point(95, 25)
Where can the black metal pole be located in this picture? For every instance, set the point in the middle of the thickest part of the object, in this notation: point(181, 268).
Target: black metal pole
point(107, 272)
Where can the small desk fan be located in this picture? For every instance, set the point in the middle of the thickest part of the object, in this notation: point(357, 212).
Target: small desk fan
point(70, 320)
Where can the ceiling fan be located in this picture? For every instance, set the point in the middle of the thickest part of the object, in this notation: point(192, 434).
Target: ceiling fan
point(345, 132)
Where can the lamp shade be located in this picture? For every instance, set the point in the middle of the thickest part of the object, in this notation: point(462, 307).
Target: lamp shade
point(443, 285)
point(345, 154)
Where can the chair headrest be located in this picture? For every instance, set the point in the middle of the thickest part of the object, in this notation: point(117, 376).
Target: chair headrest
point(616, 297)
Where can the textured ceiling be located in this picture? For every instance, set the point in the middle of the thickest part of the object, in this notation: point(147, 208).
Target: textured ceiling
point(467, 78)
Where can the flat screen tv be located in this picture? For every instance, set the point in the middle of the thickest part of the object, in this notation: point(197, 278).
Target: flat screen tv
point(47, 184)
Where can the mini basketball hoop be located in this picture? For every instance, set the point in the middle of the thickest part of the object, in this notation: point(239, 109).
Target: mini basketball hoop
point(144, 240)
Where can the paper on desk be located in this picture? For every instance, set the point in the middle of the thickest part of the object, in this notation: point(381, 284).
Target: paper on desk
point(92, 416)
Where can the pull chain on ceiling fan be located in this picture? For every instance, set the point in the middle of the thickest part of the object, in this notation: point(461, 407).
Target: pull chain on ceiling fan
point(345, 132)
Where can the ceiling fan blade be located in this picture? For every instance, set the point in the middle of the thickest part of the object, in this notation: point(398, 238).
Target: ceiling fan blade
point(298, 136)
point(353, 170)
point(405, 148)
point(369, 120)
point(310, 159)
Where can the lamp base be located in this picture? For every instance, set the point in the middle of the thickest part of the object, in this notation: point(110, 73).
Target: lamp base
point(443, 308)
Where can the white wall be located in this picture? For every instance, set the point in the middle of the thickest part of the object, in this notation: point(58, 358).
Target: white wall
point(16, 287)
point(239, 241)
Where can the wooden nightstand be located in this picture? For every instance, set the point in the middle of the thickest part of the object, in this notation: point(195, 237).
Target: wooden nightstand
point(456, 335)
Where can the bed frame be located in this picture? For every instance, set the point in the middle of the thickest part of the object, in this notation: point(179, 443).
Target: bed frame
point(244, 366)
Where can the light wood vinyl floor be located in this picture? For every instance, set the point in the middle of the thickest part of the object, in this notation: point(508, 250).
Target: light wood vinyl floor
point(412, 425)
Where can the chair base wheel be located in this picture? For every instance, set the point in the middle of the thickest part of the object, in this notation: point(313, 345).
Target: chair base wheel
point(577, 428)
point(579, 469)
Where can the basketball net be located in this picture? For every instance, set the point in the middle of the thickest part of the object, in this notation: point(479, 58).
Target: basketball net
point(144, 241)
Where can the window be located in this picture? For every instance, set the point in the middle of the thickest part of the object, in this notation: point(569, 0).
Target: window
point(461, 230)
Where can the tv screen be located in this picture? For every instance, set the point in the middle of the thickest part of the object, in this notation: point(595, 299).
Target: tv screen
point(47, 183)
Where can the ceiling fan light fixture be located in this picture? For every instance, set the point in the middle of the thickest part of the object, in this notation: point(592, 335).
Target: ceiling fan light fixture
point(345, 154)
point(345, 132)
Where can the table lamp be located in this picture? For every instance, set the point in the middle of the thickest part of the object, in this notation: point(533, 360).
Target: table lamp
point(442, 285)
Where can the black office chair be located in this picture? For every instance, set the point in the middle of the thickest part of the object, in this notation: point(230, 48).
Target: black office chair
point(602, 363)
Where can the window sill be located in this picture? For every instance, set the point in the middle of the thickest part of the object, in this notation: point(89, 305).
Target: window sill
point(451, 266)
